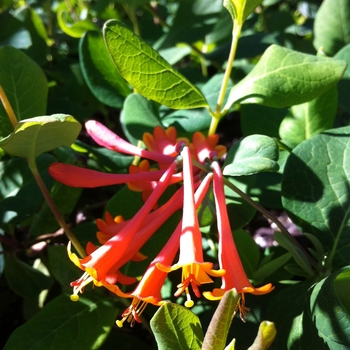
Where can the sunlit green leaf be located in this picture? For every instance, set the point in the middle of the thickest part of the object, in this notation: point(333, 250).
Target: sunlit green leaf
point(332, 26)
point(215, 337)
point(284, 78)
point(35, 136)
point(176, 328)
point(147, 71)
point(25, 86)
point(253, 154)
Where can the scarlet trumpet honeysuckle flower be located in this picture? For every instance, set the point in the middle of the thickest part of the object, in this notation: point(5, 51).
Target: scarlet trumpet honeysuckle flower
point(149, 288)
point(101, 265)
point(195, 271)
point(229, 260)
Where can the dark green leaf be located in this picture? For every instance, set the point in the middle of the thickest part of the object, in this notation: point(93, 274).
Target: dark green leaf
point(253, 154)
point(284, 78)
point(23, 279)
point(147, 71)
point(329, 306)
point(35, 136)
point(310, 118)
point(64, 324)
point(258, 119)
point(332, 26)
point(25, 86)
point(176, 328)
point(316, 191)
point(99, 71)
point(139, 115)
point(344, 83)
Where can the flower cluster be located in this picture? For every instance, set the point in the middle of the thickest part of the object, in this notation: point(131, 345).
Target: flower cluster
point(167, 160)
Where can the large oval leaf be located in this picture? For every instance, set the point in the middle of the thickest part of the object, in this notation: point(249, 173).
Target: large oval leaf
point(35, 136)
point(284, 78)
point(253, 154)
point(25, 86)
point(147, 71)
point(99, 71)
point(332, 26)
point(63, 324)
point(176, 328)
point(316, 191)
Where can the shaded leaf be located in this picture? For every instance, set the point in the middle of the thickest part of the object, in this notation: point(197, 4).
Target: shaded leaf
point(176, 328)
point(23, 279)
point(316, 191)
point(329, 306)
point(344, 83)
point(147, 71)
point(99, 71)
point(63, 324)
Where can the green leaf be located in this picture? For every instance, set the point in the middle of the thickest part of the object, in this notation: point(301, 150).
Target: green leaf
point(270, 267)
point(310, 118)
point(216, 335)
point(99, 71)
point(74, 29)
point(63, 324)
point(20, 196)
point(329, 306)
point(248, 250)
point(176, 328)
point(35, 136)
point(265, 336)
point(316, 191)
point(332, 26)
point(25, 86)
point(65, 198)
point(61, 268)
point(284, 78)
point(298, 255)
point(23, 279)
point(344, 83)
point(253, 154)
point(258, 119)
point(147, 71)
point(241, 9)
point(139, 115)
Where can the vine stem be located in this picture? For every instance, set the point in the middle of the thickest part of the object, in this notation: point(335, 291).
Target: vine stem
point(263, 211)
point(52, 206)
point(217, 115)
point(8, 108)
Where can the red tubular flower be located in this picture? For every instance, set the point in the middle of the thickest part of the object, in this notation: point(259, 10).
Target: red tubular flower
point(229, 260)
point(106, 138)
point(202, 147)
point(194, 270)
point(149, 288)
point(101, 265)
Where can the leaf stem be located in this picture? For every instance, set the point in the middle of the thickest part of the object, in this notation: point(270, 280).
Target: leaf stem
point(8, 108)
point(52, 206)
point(218, 114)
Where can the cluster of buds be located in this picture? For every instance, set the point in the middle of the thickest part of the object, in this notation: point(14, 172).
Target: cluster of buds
point(175, 162)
